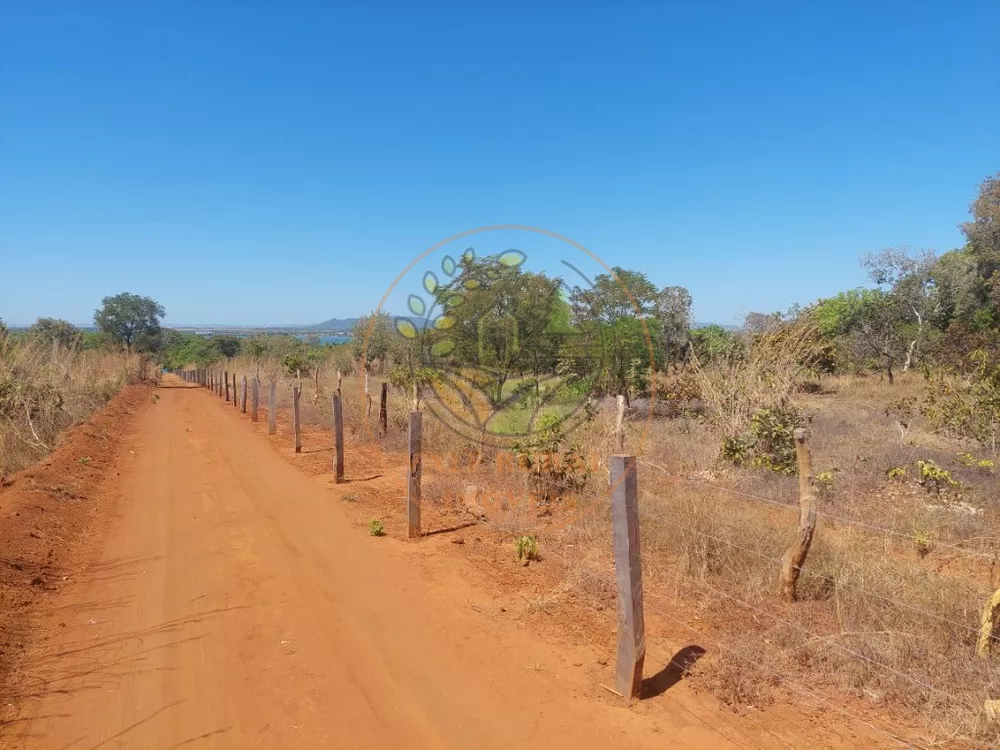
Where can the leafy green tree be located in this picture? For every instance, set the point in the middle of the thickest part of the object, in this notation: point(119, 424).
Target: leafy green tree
point(712, 343)
point(983, 237)
point(619, 333)
point(227, 346)
point(500, 320)
point(180, 349)
point(53, 329)
point(375, 338)
point(131, 320)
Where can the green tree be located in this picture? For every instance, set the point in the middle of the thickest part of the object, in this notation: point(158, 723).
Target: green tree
point(983, 237)
point(712, 343)
point(375, 338)
point(53, 329)
point(618, 330)
point(501, 320)
point(227, 346)
point(131, 320)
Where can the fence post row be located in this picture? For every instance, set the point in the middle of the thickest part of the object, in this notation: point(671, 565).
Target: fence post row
point(413, 476)
point(383, 414)
point(338, 439)
point(296, 423)
point(795, 556)
point(272, 398)
point(243, 395)
point(236, 399)
point(225, 377)
point(255, 398)
point(628, 572)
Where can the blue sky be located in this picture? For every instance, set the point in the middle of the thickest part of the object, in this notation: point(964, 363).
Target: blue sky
point(282, 162)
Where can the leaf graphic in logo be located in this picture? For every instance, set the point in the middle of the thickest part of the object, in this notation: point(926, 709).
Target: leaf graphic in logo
point(513, 258)
point(416, 305)
point(442, 348)
point(471, 283)
point(469, 254)
point(448, 265)
point(454, 300)
point(406, 328)
point(430, 282)
point(444, 323)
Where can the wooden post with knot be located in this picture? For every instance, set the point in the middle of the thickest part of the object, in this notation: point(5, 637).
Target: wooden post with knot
point(989, 629)
point(795, 556)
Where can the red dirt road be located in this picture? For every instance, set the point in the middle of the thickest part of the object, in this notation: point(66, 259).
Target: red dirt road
point(233, 604)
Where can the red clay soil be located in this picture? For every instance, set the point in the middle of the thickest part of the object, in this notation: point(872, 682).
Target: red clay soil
point(197, 584)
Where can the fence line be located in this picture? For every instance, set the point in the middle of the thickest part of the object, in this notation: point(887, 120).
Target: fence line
point(839, 519)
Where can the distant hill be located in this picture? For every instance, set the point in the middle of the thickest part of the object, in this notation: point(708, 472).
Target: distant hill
point(333, 324)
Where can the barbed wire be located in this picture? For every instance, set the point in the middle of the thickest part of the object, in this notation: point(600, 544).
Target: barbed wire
point(750, 661)
point(839, 519)
point(803, 571)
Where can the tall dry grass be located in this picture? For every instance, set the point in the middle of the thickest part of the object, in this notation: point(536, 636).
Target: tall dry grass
point(45, 388)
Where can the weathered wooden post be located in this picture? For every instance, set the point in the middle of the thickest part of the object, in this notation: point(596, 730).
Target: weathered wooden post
point(413, 477)
point(236, 401)
point(383, 411)
point(620, 426)
point(628, 572)
point(296, 423)
point(338, 439)
point(243, 395)
point(368, 399)
point(272, 407)
point(225, 376)
point(254, 398)
point(795, 556)
point(339, 381)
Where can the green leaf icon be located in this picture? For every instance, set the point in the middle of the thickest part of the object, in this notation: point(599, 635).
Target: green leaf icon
point(454, 300)
point(406, 328)
point(513, 258)
point(442, 348)
point(444, 323)
point(416, 305)
point(469, 254)
point(430, 282)
point(471, 283)
point(448, 265)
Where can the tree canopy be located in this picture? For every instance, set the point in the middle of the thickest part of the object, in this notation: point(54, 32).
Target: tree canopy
point(131, 320)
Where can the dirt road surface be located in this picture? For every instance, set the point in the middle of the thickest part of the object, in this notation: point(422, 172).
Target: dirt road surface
point(232, 604)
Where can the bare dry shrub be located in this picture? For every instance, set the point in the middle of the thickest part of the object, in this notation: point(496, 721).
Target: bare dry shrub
point(763, 374)
point(45, 388)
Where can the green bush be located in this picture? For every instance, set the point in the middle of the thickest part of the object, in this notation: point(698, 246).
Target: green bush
point(769, 443)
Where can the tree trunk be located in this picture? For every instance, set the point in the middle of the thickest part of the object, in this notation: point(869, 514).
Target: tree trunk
point(888, 368)
point(909, 355)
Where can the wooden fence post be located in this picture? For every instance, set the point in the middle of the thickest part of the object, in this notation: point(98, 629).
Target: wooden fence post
point(628, 572)
point(383, 412)
point(620, 426)
point(225, 377)
point(243, 394)
point(236, 400)
point(413, 477)
point(255, 398)
point(338, 439)
point(218, 383)
point(368, 398)
point(296, 424)
point(795, 556)
point(272, 405)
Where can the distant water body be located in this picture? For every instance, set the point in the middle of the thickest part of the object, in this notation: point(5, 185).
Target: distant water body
point(338, 339)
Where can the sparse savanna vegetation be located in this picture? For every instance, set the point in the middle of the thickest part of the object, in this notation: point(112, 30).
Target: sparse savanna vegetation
point(897, 385)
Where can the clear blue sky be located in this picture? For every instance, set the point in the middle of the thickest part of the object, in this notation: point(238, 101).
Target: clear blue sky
point(270, 162)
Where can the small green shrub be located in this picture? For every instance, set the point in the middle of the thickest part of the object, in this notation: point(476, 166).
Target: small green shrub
point(897, 473)
point(769, 442)
point(85, 460)
point(526, 548)
point(375, 528)
point(933, 477)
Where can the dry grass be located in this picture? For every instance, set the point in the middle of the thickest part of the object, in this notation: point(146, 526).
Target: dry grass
point(891, 593)
point(45, 388)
